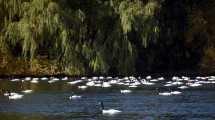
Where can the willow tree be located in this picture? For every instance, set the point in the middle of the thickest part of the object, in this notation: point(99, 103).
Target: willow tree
point(86, 36)
point(139, 16)
point(111, 45)
point(36, 25)
point(139, 25)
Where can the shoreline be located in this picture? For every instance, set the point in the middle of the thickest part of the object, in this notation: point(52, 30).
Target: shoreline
point(155, 74)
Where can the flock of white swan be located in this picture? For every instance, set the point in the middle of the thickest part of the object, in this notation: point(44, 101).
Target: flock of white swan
point(178, 83)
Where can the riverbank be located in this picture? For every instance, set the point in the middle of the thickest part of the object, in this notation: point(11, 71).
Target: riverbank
point(167, 74)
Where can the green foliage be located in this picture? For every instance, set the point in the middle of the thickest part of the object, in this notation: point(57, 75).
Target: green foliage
point(102, 36)
point(91, 39)
point(139, 17)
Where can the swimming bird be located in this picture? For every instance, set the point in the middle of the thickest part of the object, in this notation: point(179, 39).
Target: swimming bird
point(65, 78)
point(183, 87)
point(132, 86)
point(27, 91)
point(113, 82)
point(34, 81)
point(98, 85)
point(53, 80)
point(101, 77)
point(177, 83)
point(74, 97)
point(44, 78)
point(14, 96)
point(194, 84)
point(163, 93)
point(109, 77)
point(175, 92)
point(91, 83)
point(144, 82)
point(74, 82)
point(154, 80)
point(108, 111)
point(161, 78)
point(27, 78)
point(82, 87)
point(8, 93)
point(106, 84)
point(35, 78)
point(148, 77)
point(125, 91)
point(83, 78)
point(15, 80)
point(94, 78)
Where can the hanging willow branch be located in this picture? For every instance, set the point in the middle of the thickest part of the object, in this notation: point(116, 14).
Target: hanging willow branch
point(93, 37)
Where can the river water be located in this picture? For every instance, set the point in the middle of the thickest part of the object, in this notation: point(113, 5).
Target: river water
point(50, 101)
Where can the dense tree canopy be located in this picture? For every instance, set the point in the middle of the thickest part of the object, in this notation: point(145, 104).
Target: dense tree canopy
point(105, 36)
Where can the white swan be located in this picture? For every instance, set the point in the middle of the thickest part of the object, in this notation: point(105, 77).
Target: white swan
point(106, 84)
point(148, 77)
point(125, 91)
point(53, 80)
point(9, 93)
point(109, 77)
point(161, 78)
point(165, 93)
point(27, 78)
point(65, 78)
point(82, 87)
point(195, 84)
point(74, 82)
point(34, 81)
point(175, 78)
point(154, 80)
point(175, 92)
point(108, 111)
point(177, 83)
point(15, 96)
point(136, 83)
point(44, 78)
point(183, 87)
point(98, 85)
point(94, 78)
point(90, 83)
point(83, 78)
point(113, 82)
point(74, 97)
point(15, 80)
point(120, 83)
point(212, 82)
point(101, 77)
point(27, 91)
point(147, 83)
point(211, 79)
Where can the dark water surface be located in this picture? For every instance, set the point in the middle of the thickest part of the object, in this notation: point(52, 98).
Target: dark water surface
point(51, 102)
